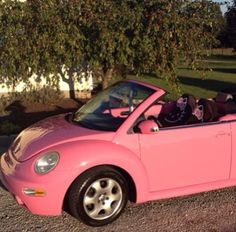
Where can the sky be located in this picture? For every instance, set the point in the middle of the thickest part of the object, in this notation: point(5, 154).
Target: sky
point(224, 7)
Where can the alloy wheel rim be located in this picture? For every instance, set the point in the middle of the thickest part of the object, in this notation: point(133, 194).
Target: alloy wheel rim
point(102, 199)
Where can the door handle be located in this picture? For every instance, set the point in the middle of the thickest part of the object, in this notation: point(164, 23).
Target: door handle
point(222, 133)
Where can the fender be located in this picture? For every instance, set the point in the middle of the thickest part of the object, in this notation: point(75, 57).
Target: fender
point(86, 154)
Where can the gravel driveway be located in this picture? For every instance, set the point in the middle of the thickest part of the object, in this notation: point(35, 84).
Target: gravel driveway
point(212, 211)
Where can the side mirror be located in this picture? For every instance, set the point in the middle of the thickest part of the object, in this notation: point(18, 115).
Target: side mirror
point(148, 127)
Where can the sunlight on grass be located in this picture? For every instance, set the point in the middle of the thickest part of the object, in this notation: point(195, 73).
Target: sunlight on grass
point(222, 76)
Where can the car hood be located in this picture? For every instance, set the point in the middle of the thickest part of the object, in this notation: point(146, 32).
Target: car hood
point(50, 132)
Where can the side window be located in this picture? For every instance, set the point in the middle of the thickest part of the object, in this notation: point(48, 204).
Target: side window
point(186, 110)
point(183, 111)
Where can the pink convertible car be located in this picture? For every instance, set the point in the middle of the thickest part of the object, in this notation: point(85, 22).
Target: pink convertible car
point(126, 143)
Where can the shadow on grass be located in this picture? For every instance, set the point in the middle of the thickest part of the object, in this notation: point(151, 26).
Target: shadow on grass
point(225, 70)
point(223, 57)
point(207, 84)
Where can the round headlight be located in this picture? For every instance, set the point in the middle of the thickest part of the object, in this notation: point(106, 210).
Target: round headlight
point(46, 163)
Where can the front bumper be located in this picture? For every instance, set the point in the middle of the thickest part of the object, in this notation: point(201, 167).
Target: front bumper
point(15, 180)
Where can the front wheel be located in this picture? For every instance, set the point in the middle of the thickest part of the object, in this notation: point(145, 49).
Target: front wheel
point(98, 196)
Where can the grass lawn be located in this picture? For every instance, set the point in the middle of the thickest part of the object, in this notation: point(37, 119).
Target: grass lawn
point(222, 76)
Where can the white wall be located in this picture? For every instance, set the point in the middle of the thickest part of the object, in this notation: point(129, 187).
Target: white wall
point(81, 84)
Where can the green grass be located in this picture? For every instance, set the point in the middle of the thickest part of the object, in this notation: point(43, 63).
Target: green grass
point(222, 76)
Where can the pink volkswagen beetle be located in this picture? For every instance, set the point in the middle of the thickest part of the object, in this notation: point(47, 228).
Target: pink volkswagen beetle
point(126, 143)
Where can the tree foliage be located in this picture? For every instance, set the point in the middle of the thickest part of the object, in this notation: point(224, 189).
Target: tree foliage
point(147, 35)
point(53, 38)
point(231, 25)
point(40, 37)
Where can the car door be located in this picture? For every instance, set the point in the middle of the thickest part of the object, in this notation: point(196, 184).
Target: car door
point(184, 156)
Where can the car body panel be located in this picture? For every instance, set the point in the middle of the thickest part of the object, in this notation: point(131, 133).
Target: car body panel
point(71, 165)
point(50, 132)
point(188, 190)
point(175, 158)
point(16, 180)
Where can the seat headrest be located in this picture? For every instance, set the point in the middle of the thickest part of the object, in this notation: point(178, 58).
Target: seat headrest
point(209, 110)
point(223, 97)
point(186, 100)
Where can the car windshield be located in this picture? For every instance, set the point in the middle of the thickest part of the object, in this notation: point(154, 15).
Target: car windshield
point(109, 109)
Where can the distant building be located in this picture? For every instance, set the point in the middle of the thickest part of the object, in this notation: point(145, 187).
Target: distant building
point(83, 85)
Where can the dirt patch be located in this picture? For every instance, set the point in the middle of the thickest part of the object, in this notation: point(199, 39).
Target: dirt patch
point(22, 115)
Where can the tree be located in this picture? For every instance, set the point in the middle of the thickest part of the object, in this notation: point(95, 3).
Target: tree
point(13, 42)
point(40, 38)
point(219, 24)
point(106, 27)
point(146, 35)
point(53, 38)
point(231, 25)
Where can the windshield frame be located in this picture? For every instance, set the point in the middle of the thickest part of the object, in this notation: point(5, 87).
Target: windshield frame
point(113, 122)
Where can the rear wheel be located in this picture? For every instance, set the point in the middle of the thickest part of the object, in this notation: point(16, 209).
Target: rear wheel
point(98, 196)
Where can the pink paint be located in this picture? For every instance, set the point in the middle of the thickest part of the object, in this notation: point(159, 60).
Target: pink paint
point(228, 117)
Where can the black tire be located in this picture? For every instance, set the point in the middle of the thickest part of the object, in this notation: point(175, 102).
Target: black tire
point(96, 185)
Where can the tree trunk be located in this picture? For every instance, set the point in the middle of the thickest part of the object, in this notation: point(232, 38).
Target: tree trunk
point(107, 76)
point(71, 87)
point(69, 80)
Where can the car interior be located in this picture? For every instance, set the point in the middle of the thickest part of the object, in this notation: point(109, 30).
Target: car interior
point(187, 110)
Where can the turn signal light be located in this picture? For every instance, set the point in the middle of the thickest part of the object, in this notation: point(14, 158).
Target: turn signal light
point(35, 192)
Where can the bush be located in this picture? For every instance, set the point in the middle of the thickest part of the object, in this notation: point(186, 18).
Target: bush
point(8, 128)
point(45, 95)
point(4, 102)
